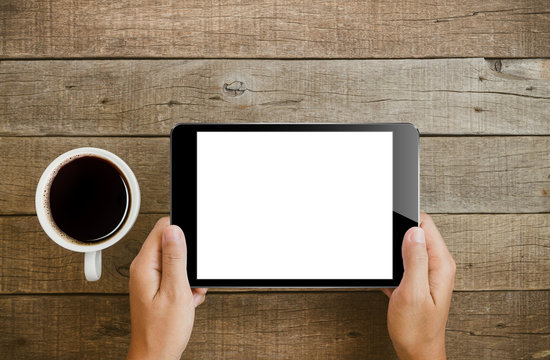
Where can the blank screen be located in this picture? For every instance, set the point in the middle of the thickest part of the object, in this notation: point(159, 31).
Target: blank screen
point(294, 205)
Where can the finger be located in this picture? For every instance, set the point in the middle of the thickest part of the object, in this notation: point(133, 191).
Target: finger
point(200, 291)
point(198, 299)
point(199, 295)
point(153, 244)
point(441, 266)
point(388, 292)
point(415, 263)
point(434, 240)
point(174, 262)
point(146, 267)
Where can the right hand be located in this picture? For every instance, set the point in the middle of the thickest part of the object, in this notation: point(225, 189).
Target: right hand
point(419, 307)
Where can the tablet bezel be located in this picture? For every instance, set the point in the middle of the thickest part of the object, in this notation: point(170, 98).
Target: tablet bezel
point(183, 198)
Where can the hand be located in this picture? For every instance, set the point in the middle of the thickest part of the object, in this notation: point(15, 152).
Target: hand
point(418, 308)
point(162, 305)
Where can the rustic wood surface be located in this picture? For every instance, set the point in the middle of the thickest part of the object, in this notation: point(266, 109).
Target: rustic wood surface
point(474, 76)
point(282, 29)
point(131, 97)
point(492, 252)
point(457, 174)
point(282, 325)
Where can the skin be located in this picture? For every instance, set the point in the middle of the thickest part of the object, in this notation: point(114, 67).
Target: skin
point(162, 304)
point(419, 307)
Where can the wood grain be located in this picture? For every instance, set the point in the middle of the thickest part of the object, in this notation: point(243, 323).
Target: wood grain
point(482, 325)
point(492, 252)
point(501, 308)
point(148, 97)
point(25, 159)
point(503, 325)
point(458, 174)
point(487, 175)
point(286, 29)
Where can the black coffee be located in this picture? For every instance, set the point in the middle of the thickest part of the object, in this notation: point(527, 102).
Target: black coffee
point(88, 199)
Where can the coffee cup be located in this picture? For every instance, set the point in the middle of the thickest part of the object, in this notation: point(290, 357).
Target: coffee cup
point(86, 200)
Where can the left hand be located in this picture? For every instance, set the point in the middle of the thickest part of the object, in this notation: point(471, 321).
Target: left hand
point(162, 304)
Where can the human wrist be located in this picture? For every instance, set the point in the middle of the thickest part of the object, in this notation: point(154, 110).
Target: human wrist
point(134, 354)
point(141, 353)
point(432, 351)
point(138, 353)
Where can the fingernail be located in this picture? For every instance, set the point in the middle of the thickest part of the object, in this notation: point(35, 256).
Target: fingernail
point(172, 234)
point(197, 298)
point(418, 236)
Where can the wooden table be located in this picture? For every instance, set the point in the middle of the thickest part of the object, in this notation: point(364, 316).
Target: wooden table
point(474, 76)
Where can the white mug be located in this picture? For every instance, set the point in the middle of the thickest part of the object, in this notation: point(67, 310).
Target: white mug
point(92, 251)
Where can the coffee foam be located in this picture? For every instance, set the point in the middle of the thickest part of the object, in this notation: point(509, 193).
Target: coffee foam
point(46, 201)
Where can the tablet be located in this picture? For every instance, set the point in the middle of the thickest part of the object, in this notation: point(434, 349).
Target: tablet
point(294, 205)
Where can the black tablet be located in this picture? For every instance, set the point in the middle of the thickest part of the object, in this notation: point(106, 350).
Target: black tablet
point(294, 205)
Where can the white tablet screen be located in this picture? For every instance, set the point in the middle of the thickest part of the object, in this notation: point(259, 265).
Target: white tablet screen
point(294, 205)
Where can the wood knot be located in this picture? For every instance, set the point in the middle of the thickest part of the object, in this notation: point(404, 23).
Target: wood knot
point(498, 66)
point(236, 88)
point(123, 270)
point(114, 330)
point(173, 103)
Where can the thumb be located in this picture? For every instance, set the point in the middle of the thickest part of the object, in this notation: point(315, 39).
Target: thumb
point(174, 261)
point(415, 262)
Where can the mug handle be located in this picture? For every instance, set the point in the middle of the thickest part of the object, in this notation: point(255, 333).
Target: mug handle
point(92, 265)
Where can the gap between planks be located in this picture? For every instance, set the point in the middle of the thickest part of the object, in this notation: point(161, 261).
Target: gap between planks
point(273, 291)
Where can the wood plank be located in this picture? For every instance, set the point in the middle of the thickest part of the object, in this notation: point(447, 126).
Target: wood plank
point(482, 325)
point(486, 175)
point(130, 97)
point(499, 325)
point(25, 159)
point(458, 174)
point(498, 252)
point(492, 252)
point(287, 29)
